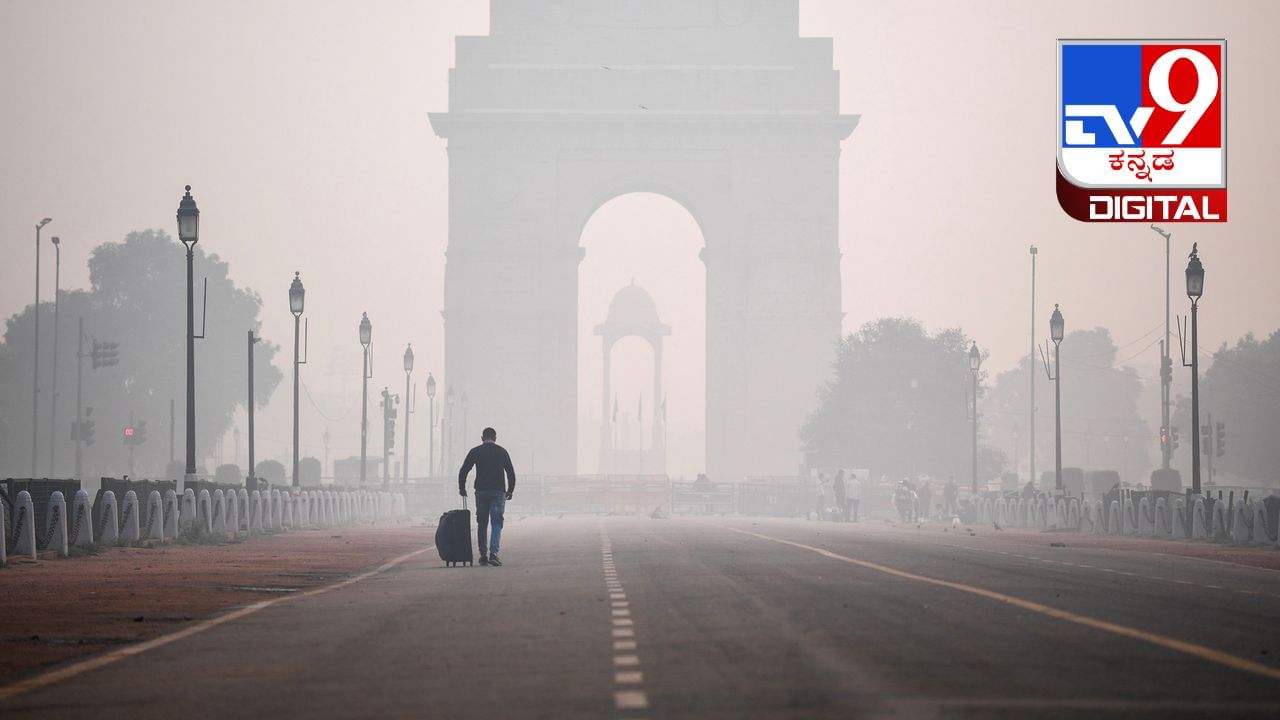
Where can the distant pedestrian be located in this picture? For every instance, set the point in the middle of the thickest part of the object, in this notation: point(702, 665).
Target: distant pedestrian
point(821, 499)
point(491, 461)
point(926, 497)
point(854, 489)
point(949, 495)
point(842, 497)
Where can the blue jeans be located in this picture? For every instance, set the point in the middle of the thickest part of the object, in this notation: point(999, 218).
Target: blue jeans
point(489, 507)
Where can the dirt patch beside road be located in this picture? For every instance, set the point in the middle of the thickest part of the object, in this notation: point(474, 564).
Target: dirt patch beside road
point(55, 610)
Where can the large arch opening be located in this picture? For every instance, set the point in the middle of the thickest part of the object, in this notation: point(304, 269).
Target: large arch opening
point(653, 242)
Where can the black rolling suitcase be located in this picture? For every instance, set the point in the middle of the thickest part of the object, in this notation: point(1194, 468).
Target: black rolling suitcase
point(453, 537)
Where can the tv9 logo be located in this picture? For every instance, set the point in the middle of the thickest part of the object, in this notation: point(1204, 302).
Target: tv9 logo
point(1142, 130)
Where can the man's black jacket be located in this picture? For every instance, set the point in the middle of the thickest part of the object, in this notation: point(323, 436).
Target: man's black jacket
point(490, 460)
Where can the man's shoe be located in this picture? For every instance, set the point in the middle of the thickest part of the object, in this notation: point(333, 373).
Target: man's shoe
point(484, 560)
point(493, 560)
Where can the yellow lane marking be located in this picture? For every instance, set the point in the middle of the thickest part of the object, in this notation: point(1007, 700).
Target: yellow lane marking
point(84, 666)
point(1199, 651)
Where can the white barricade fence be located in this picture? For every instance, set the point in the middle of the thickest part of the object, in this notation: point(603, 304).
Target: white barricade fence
point(204, 511)
point(1145, 524)
point(172, 515)
point(1163, 528)
point(1088, 519)
point(219, 522)
point(242, 497)
point(1239, 522)
point(4, 537)
point(24, 527)
point(255, 513)
point(108, 519)
point(1073, 513)
point(190, 516)
point(55, 529)
point(129, 524)
point(286, 510)
point(1219, 522)
point(1115, 520)
point(277, 514)
point(81, 533)
point(233, 513)
point(1180, 518)
point(1129, 519)
point(1261, 533)
point(314, 515)
point(1199, 527)
point(154, 527)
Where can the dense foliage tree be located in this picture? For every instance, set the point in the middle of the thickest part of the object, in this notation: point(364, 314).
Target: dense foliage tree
point(1241, 389)
point(1102, 427)
point(137, 298)
point(898, 403)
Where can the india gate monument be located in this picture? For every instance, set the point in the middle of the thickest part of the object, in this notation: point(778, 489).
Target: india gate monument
point(719, 105)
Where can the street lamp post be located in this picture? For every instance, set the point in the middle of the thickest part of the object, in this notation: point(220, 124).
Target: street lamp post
point(252, 479)
point(35, 365)
point(366, 336)
point(431, 417)
point(1166, 376)
point(408, 408)
point(465, 433)
point(448, 402)
point(189, 234)
point(53, 403)
point(975, 362)
point(1195, 288)
point(297, 300)
point(1056, 329)
point(1031, 457)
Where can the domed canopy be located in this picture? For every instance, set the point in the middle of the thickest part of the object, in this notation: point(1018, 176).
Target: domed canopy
point(632, 312)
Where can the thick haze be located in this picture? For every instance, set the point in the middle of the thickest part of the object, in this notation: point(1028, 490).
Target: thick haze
point(302, 127)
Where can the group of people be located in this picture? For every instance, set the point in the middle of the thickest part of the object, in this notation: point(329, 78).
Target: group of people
point(914, 503)
point(847, 494)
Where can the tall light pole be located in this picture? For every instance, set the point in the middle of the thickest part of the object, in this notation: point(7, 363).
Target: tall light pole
point(465, 433)
point(366, 336)
point(189, 234)
point(252, 479)
point(975, 363)
point(389, 402)
point(1166, 361)
point(1195, 288)
point(1056, 330)
point(431, 417)
point(35, 365)
point(448, 403)
point(408, 407)
point(53, 403)
point(297, 300)
point(1031, 457)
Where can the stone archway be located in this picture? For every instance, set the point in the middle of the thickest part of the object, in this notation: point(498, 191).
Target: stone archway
point(716, 104)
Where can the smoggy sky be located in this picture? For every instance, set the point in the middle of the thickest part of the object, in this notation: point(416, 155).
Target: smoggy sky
point(303, 128)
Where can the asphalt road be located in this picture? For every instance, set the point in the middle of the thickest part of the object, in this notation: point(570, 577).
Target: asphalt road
point(727, 618)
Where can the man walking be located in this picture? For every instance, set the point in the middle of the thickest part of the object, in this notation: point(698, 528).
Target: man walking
point(490, 461)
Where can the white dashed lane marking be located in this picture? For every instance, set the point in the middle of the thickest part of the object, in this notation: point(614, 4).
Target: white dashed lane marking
point(628, 679)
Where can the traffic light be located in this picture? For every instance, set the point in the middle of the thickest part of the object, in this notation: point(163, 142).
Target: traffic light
point(1164, 437)
point(105, 354)
point(129, 434)
point(86, 432)
point(1166, 370)
point(1206, 439)
point(1173, 437)
point(140, 432)
point(1221, 441)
